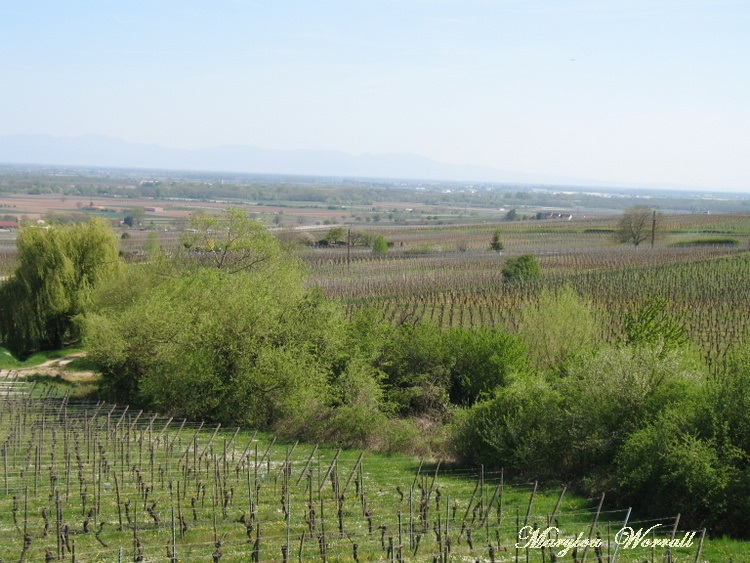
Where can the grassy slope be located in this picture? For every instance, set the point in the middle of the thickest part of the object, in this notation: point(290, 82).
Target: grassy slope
point(125, 440)
point(8, 361)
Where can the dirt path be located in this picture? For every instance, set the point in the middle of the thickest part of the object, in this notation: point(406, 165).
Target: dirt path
point(53, 368)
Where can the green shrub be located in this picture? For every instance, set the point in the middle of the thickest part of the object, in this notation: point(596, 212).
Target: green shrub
point(574, 424)
point(380, 245)
point(522, 268)
point(722, 241)
point(483, 359)
point(558, 327)
point(519, 428)
point(664, 464)
point(416, 362)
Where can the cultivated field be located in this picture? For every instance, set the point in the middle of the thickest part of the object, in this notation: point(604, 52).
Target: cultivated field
point(429, 277)
point(96, 482)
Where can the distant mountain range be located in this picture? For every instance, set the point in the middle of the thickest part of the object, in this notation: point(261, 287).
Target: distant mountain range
point(102, 151)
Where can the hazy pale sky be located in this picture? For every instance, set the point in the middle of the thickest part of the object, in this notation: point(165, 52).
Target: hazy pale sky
point(653, 92)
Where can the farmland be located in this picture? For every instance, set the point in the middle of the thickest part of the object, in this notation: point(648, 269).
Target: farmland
point(706, 284)
point(445, 273)
point(86, 481)
point(118, 484)
point(468, 291)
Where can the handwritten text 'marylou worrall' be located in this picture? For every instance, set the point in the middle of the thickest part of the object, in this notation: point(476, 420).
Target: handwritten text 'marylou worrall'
point(626, 538)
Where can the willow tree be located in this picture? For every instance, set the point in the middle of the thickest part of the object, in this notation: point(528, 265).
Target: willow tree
point(58, 267)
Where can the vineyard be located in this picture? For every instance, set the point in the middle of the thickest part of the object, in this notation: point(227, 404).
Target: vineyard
point(98, 482)
point(706, 285)
point(91, 482)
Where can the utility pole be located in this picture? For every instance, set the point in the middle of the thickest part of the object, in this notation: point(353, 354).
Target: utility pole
point(349, 247)
point(653, 229)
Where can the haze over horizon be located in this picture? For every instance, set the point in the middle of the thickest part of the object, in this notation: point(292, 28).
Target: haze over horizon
point(99, 151)
point(636, 93)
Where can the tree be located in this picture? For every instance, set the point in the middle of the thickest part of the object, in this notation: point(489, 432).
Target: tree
point(522, 268)
point(232, 242)
point(636, 225)
point(496, 244)
point(511, 215)
point(380, 245)
point(358, 238)
point(135, 217)
point(483, 359)
point(226, 331)
point(58, 268)
point(335, 235)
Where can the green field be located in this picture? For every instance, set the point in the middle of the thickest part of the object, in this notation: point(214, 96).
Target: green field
point(118, 485)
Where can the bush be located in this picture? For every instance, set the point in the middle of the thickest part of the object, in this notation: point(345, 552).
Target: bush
point(558, 327)
point(728, 407)
point(416, 362)
point(354, 427)
point(611, 393)
point(519, 428)
point(665, 464)
point(380, 245)
point(574, 426)
point(522, 268)
point(208, 346)
point(483, 359)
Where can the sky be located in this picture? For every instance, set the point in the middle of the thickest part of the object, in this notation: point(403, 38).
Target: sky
point(645, 93)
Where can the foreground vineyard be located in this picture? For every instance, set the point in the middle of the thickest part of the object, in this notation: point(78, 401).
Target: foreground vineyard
point(97, 482)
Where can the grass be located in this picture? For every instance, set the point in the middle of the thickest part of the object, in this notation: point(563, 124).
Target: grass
point(81, 364)
point(9, 361)
point(727, 241)
point(84, 454)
